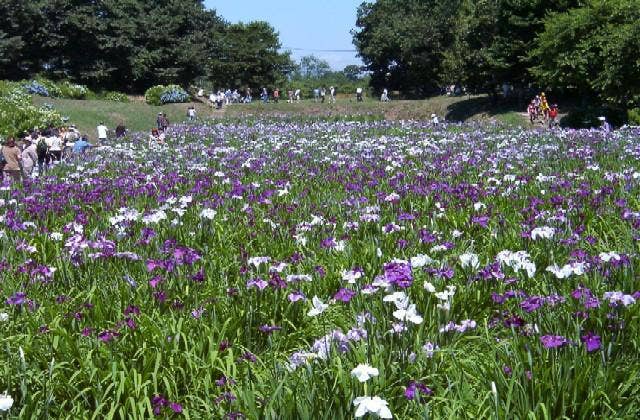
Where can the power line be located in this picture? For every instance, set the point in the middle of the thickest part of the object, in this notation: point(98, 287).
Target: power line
point(317, 50)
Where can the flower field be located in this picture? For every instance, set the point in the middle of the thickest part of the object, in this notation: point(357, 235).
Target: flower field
point(312, 269)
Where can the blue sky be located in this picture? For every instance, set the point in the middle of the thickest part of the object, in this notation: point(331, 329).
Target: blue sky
point(306, 26)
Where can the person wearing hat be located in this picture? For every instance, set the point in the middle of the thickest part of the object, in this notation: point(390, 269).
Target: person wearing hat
point(29, 157)
point(434, 120)
point(12, 156)
point(605, 126)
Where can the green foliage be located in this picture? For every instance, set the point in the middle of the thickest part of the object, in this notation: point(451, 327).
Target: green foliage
point(160, 95)
point(18, 115)
point(595, 49)
point(248, 55)
point(633, 115)
point(116, 97)
point(587, 117)
point(313, 73)
point(152, 95)
point(402, 42)
point(312, 67)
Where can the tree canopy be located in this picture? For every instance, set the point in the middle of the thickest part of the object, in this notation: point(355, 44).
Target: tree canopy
point(132, 44)
point(593, 49)
point(419, 45)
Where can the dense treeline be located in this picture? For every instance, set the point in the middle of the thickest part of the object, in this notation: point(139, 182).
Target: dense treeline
point(129, 45)
point(589, 47)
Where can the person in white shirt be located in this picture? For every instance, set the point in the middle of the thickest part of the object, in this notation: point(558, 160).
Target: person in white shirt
point(385, 95)
point(102, 133)
point(191, 113)
point(55, 147)
point(434, 120)
point(156, 138)
point(332, 95)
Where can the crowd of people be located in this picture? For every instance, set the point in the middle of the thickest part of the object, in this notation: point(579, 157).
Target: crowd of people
point(218, 99)
point(34, 153)
point(539, 110)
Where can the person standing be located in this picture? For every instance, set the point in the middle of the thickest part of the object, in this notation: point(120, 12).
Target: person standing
point(191, 113)
point(385, 95)
point(553, 116)
point(13, 157)
point(54, 142)
point(323, 94)
point(164, 122)
point(605, 126)
point(29, 157)
point(102, 133)
point(276, 95)
point(121, 130)
point(434, 120)
point(332, 95)
point(42, 151)
point(359, 94)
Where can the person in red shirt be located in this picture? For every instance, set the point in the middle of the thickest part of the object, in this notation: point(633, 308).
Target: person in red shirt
point(553, 116)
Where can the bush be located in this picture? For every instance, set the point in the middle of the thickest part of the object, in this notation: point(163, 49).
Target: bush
point(36, 88)
point(634, 116)
point(116, 97)
point(18, 116)
point(160, 95)
point(588, 117)
point(72, 90)
point(64, 89)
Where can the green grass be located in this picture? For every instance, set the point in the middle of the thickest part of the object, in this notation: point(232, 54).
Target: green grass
point(138, 116)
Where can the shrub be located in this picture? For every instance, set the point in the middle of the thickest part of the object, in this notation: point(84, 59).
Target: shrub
point(174, 94)
point(634, 116)
point(159, 95)
point(152, 95)
point(52, 88)
point(36, 88)
point(64, 89)
point(116, 97)
point(72, 90)
point(18, 115)
point(588, 117)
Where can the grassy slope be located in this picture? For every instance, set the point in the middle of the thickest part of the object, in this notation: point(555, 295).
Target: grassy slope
point(139, 116)
point(136, 115)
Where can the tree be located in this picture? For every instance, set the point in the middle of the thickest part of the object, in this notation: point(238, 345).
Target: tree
point(122, 44)
point(593, 49)
point(402, 42)
point(248, 55)
point(312, 67)
point(352, 72)
point(493, 38)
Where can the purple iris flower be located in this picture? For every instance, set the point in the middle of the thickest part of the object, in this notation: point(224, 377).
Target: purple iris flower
point(344, 295)
point(553, 341)
point(591, 341)
point(18, 298)
point(532, 303)
point(398, 274)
